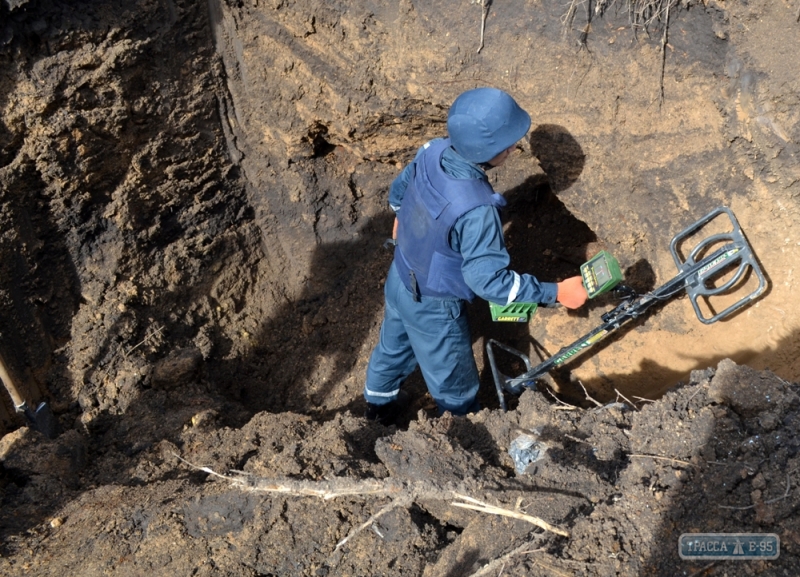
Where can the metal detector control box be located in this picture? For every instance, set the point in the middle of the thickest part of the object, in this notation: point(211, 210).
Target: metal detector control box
point(600, 274)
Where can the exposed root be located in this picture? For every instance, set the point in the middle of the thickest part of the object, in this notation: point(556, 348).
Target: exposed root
point(149, 335)
point(664, 38)
point(641, 15)
point(500, 562)
point(401, 494)
point(400, 502)
point(476, 505)
point(484, 13)
point(590, 397)
point(702, 570)
point(624, 398)
point(563, 406)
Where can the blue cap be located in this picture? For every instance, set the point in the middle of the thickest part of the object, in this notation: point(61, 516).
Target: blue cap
point(484, 122)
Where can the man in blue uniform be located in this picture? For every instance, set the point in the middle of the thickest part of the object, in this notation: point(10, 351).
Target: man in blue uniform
point(450, 248)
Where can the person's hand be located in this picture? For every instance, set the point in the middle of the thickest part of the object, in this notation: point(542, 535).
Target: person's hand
point(571, 293)
point(394, 229)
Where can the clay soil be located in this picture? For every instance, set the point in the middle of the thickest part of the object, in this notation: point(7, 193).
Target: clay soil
point(193, 209)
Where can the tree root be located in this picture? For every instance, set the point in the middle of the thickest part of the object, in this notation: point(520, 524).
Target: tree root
point(402, 494)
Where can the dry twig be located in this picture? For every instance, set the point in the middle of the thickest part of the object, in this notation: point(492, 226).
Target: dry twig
point(659, 458)
point(590, 397)
point(566, 406)
point(149, 335)
point(624, 398)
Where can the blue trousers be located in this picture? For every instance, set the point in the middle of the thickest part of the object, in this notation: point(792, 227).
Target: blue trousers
point(432, 333)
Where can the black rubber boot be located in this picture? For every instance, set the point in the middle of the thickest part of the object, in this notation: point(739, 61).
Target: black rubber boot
point(388, 413)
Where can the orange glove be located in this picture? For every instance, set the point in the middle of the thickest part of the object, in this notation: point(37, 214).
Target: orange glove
point(571, 293)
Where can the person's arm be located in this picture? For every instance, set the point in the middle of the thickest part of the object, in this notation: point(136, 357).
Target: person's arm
point(399, 185)
point(398, 188)
point(478, 235)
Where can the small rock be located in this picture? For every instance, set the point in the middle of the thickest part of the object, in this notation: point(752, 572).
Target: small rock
point(205, 418)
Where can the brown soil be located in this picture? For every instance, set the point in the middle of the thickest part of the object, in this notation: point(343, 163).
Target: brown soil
point(193, 210)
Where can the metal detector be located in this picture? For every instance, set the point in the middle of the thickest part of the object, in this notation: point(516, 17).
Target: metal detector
point(719, 265)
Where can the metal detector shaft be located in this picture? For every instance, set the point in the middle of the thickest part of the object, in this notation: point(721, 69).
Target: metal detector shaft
point(696, 275)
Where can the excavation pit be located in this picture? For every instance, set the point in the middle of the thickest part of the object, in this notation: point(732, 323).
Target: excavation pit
point(194, 211)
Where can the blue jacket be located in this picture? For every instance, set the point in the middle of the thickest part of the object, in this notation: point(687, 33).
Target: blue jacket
point(476, 235)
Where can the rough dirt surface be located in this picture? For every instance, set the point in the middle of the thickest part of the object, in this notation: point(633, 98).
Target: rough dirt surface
point(192, 208)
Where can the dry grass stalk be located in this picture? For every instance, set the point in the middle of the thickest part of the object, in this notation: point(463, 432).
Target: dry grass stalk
point(660, 458)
